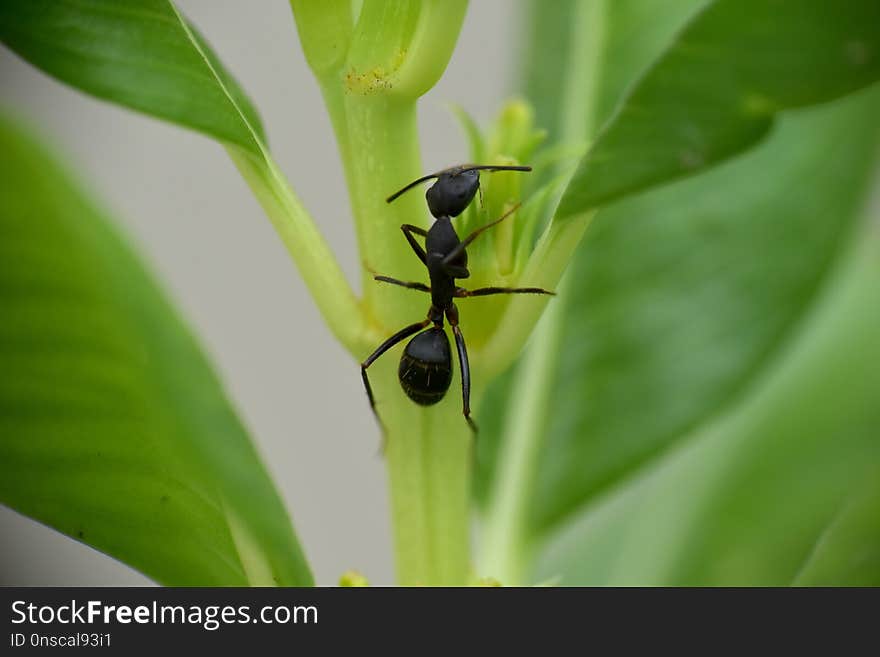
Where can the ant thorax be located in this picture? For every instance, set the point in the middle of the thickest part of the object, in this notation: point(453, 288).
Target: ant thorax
point(442, 237)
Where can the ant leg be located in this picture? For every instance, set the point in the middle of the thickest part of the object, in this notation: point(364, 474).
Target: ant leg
point(396, 281)
point(461, 246)
point(465, 368)
point(385, 346)
point(456, 271)
point(408, 230)
point(486, 291)
point(413, 286)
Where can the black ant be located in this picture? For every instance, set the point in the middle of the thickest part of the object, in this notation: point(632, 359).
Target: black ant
point(425, 370)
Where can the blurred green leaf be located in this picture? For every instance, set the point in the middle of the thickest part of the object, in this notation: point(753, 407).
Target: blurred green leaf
point(686, 298)
point(604, 45)
point(137, 53)
point(630, 35)
point(848, 550)
point(471, 131)
point(680, 301)
point(113, 427)
point(682, 295)
point(715, 90)
point(752, 496)
point(543, 23)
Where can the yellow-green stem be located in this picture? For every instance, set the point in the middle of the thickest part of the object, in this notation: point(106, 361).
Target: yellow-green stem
point(372, 67)
point(307, 247)
point(427, 449)
point(428, 452)
point(505, 543)
point(382, 156)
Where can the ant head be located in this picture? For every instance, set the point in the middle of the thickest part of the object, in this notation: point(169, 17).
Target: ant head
point(453, 192)
point(455, 187)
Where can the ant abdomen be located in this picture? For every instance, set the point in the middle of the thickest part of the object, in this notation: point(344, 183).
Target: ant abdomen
point(425, 370)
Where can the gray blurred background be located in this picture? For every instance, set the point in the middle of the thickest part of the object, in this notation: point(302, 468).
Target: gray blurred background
point(193, 219)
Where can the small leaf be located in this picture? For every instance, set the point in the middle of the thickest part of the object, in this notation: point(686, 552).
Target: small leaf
point(716, 90)
point(137, 53)
point(476, 143)
point(113, 427)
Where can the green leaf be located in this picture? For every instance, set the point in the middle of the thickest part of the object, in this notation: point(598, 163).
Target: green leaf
point(137, 53)
point(682, 295)
point(143, 54)
point(629, 35)
point(687, 297)
point(717, 88)
point(545, 21)
point(677, 304)
point(848, 550)
point(754, 495)
point(599, 47)
point(471, 131)
point(113, 427)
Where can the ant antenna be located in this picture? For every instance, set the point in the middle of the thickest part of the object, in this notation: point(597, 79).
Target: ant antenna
point(454, 171)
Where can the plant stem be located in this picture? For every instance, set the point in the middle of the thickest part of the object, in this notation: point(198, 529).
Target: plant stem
point(428, 451)
point(545, 268)
point(505, 542)
point(307, 247)
point(372, 68)
point(382, 154)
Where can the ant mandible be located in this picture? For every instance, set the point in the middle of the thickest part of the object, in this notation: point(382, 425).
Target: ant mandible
point(425, 370)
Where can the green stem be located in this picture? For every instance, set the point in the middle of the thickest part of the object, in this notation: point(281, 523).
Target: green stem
point(430, 48)
point(383, 153)
point(307, 247)
point(371, 78)
point(428, 451)
point(504, 546)
point(371, 73)
point(545, 268)
point(505, 542)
